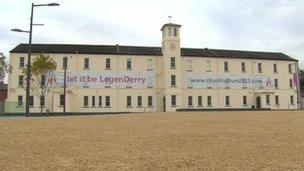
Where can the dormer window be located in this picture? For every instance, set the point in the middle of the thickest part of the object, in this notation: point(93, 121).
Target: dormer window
point(175, 32)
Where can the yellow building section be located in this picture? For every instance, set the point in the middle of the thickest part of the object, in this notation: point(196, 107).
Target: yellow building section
point(105, 78)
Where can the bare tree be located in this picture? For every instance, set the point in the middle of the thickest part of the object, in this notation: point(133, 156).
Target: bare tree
point(4, 67)
point(42, 72)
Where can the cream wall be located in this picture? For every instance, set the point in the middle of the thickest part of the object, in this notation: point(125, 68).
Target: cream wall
point(162, 89)
point(218, 95)
point(162, 85)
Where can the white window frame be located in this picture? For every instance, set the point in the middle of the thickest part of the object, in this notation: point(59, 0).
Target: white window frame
point(199, 101)
point(268, 103)
point(173, 80)
point(209, 101)
point(150, 101)
point(226, 66)
point(20, 101)
point(61, 99)
point(107, 101)
point(129, 101)
point(108, 63)
point(86, 63)
point(129, 63)
point(227, 101)
point(85, 101)
point(173, 100)
point(21, 62)
point(190, 101)
point(189, 65)
point(173, 63)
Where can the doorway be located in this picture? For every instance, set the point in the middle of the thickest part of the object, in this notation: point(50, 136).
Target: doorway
point(258, 102)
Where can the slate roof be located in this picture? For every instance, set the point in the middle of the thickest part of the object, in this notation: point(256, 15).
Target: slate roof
point(144, 50)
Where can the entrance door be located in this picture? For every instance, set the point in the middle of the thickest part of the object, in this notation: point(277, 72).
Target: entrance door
point(164, 103)
point(258, 102)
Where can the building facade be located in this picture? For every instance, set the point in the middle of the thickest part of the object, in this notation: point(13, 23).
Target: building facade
point(147, 79)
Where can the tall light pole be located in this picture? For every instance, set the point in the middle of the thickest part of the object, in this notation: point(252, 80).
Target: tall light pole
point(64, 82)
point(28, 74)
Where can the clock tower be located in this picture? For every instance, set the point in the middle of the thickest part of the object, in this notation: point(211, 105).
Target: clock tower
point(172, 83)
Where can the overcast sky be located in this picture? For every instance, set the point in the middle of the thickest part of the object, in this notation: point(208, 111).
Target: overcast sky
point(260, 25)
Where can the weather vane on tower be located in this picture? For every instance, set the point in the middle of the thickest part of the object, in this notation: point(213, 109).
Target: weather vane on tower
point(170, 18)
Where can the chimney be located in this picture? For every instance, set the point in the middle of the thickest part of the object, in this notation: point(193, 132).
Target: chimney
point(117, 48)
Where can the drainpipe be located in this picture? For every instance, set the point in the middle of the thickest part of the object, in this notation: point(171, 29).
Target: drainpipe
point(299, 101)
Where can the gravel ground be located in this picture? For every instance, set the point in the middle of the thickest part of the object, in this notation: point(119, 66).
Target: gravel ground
point(171, 141)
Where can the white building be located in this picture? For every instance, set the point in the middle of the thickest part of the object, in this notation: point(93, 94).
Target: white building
point(105, 78)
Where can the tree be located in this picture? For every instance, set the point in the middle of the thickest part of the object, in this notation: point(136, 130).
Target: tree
point(42, 72)
point(4, 67)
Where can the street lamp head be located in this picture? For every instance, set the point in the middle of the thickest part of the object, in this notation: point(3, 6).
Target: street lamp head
point(53, 4)
point(17, 30)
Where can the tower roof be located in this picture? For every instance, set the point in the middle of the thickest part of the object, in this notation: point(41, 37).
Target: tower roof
point(170, 24)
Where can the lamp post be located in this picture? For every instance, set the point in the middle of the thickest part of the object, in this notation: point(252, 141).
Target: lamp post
point(64, 82)
point(28, 74)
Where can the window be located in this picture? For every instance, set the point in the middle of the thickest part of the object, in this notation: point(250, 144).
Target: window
point(85, 101)
point(61, 100)
point(20, 101)
point(276, 83)
point(290, 68)
point(65, 62)
point(150, 64)
point(189, 65)
point(190, 104)
point(21, 62)
point(243, 67)
point(209, 101)
point(129, 63)
point(43, 81)
point(226, 67)
point(99, 101)
point(268, 100)
point(227, 100)
point(172, 63)
point(93, 101)
point(260, 67)
point(108, 63)
point(173, 80)
point(139, 101)
point(291, 100)
point(108, 101)
point(277, 102)
point(175, 32)
point(169, 31)
point(199, 101)
point(150, 101)
point(42, 101)
point(31, 101)
point(244, 100)
point(86, 63)
point(21, 79)
point(208, 66)
point(290, 83)
point(173, 100)
point(129, 101)
point(275, 68)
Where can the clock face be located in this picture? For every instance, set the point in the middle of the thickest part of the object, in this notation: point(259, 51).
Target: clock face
point(172, 45)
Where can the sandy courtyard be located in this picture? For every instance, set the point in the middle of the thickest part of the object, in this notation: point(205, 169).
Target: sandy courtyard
point(174, 141)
